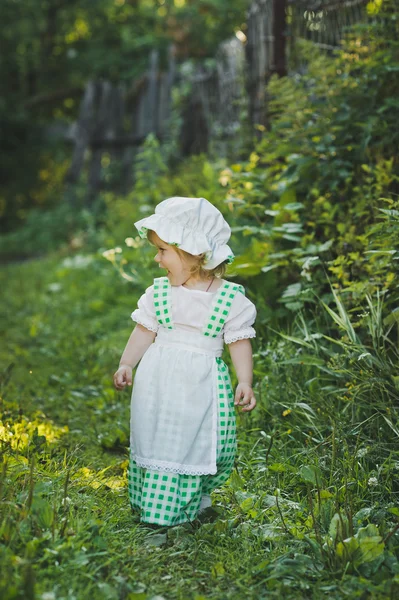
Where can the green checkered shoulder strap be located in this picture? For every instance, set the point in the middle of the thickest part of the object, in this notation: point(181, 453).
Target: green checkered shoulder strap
point(163, 302)
point(221, 307)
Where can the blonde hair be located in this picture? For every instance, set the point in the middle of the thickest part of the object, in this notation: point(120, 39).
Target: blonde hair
point(198, 268)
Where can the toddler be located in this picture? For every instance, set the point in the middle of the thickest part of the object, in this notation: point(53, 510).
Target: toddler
point(183, 430)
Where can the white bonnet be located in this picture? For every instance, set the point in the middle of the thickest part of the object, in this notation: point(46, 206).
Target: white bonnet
point(193, 225)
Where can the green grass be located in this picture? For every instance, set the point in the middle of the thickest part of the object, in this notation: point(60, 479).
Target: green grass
point(310, 510)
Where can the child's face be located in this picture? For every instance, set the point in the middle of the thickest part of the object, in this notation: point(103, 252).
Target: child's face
point(178, 270)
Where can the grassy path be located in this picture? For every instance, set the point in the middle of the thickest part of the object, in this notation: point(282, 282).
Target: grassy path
point(66, 529)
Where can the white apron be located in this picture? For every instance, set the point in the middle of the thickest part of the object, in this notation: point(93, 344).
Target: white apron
point(175, 393)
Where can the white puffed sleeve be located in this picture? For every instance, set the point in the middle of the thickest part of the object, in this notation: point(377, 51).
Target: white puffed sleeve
point(145, 313)
point(238, 325)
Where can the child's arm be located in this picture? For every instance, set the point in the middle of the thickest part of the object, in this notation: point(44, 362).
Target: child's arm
point(241, 355)
point(139, 342)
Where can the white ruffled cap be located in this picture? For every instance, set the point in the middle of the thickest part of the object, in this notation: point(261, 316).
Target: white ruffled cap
point(193, 225)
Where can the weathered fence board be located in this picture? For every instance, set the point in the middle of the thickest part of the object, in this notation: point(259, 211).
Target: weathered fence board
point(218, 93)
point(82, 132)
point(260, 57)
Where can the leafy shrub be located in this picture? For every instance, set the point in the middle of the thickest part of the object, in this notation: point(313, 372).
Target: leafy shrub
point(311, 194)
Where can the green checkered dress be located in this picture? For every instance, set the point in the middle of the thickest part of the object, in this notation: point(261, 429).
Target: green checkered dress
point(169, 498)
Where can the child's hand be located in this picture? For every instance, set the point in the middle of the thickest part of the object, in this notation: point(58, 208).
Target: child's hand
point(244, 397)
point(123, 377)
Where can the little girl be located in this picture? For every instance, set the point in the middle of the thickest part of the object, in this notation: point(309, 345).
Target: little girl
point(183, 431)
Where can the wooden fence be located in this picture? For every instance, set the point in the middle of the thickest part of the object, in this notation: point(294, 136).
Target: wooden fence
point(115, 120)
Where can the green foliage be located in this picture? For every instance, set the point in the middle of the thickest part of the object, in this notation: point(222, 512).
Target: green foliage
point(319, 193)
point(309, 510)
point(63, 228)
point(327, 439)
point(52, 48)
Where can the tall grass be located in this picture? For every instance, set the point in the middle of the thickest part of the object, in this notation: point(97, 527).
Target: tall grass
point(310, 510)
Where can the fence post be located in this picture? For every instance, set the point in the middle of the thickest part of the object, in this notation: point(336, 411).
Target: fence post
point(266, 52)
point(165, 94)
point(260, 57)
point(279, 33)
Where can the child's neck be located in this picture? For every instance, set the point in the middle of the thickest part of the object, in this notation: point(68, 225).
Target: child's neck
point(196, 283)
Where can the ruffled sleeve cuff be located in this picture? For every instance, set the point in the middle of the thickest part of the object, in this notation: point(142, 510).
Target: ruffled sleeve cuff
point(139, 318)
point(241, 334)
point(145, 313)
